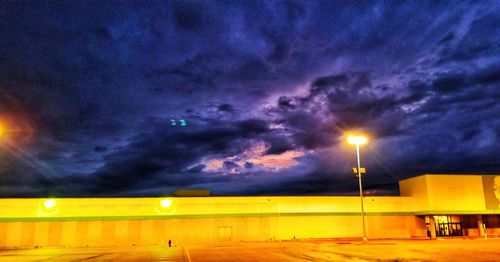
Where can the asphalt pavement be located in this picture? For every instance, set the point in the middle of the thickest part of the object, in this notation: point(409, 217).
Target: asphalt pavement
point(298, 250)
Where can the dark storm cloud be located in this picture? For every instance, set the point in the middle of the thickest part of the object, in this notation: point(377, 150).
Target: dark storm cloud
point(353, 106)
point(225, 108)
point(350, 101)
point(320, 174)
point(248, 165)
point(489, 75)
point(163, 156)
point(165, 152)
point(228, 165)
point(308, 130)
point(95, 87)
point(188, 16)
point(286, 103)
point(449, 83)
point(100, 149)
point(278, 144)
point(327, 81)
point(480, 40)
point(300, 185)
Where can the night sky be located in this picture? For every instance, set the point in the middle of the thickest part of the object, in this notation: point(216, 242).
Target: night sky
point(261, 94)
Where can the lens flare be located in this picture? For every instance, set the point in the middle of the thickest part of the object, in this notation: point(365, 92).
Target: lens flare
point(357, 140)
point(166, 203)
point(49, 203)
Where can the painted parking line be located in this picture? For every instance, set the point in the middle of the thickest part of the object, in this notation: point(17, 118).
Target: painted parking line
point(187, 254)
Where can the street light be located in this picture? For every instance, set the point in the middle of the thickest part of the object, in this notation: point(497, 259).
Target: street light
point(357, 141)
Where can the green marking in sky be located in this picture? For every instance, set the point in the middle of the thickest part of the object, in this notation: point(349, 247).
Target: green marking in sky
point(181, 122)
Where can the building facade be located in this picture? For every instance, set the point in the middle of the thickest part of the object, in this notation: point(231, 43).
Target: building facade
point(430, 206)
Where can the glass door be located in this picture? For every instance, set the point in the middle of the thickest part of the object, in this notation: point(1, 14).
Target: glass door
point(448, 225)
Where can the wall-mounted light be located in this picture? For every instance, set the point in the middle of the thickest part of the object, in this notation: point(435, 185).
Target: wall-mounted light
point(165, 206)
point(50, 203)
point(49, 206)
point(166, 203)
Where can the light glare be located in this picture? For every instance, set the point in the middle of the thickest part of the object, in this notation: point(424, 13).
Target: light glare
point(50, 203)
point(166, 203)
point(357, 140)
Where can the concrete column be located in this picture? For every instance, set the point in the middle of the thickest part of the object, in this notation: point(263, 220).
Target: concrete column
point(480, 226)
point(432, 225)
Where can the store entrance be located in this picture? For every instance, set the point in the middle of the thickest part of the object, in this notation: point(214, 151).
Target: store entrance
point(448, 226)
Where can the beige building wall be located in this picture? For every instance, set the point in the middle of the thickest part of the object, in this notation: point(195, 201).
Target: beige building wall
point(144, 221)
point(455, 193)
point(197, 230)
point(417, 188)
point(446, 194)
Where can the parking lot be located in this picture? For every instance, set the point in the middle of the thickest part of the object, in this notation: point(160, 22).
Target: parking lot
point(300, 250)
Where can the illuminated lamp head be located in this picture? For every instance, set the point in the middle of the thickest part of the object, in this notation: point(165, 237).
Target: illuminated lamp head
point(166, 203)
point(49, 203)
point(165, 206)
point(357, 140)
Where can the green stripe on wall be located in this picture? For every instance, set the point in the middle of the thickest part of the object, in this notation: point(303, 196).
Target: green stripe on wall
point(195, 216)
point(240, 215)
point(458, 212)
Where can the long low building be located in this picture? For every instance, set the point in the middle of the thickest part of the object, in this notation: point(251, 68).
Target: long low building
point(429, 206)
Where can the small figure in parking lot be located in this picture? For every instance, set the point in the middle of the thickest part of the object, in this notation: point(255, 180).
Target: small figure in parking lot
point(169, 243)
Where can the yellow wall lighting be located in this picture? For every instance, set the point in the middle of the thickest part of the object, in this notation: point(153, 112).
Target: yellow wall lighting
point(49, 204)
point(166, 203)
point(165, 206)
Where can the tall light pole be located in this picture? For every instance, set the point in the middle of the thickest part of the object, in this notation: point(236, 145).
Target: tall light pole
point(357, 141)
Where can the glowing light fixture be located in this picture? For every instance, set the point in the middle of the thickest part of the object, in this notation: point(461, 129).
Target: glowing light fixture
point(2, 130)
point(49, 203)
point(166, 203)
point(357, 140)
